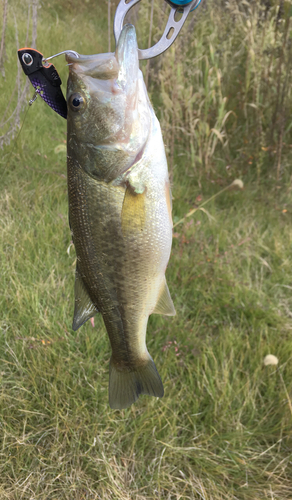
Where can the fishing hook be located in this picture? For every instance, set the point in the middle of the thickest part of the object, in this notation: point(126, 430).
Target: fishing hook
point(45, 59)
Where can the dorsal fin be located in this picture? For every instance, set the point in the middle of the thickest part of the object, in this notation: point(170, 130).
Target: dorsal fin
point(84, 307)
point(164, 304)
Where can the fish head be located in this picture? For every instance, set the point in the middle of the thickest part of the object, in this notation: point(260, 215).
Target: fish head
point(108, 107)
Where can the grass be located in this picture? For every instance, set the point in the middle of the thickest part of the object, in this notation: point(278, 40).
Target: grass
point(223, 430)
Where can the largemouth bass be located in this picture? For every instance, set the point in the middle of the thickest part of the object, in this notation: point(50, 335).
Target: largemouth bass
point(119, 211)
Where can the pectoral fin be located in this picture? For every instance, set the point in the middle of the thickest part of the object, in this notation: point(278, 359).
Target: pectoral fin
point(164, 304)
point(133, 211)
point(84, 307)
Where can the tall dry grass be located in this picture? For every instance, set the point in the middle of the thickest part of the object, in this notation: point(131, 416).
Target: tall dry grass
point(223, 91)
point(14, 88)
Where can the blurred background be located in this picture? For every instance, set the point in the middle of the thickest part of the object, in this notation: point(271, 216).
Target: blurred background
point(222, 94)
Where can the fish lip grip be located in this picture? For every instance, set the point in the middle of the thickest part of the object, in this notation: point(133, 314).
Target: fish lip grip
point(164, 43)
point(44, 78)
point(184, 3)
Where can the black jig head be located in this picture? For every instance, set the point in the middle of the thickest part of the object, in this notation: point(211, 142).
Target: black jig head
point(44, 78)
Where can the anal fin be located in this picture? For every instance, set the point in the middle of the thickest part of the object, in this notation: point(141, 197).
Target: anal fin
point(164, 304)
point(84, 307)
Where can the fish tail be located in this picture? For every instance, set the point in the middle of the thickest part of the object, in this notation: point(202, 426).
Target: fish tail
point(126, 386)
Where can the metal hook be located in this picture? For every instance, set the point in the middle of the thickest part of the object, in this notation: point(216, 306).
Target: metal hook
point(45, 59)
point(171, 31)
point(34, 98)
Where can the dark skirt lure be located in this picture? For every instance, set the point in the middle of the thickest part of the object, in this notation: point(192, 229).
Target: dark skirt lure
point(44, 78)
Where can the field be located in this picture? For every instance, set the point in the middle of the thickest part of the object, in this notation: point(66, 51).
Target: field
point(223, 430)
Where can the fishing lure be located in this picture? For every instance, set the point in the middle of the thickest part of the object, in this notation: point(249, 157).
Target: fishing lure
point(45, 79)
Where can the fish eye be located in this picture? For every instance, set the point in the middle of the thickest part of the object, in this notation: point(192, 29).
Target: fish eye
point(77, 102)
point(27, 59)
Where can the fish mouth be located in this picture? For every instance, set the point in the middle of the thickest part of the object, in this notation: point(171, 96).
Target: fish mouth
point(100, 66)
point(79, 58)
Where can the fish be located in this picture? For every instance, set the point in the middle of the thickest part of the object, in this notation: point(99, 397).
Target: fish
point(119, 211)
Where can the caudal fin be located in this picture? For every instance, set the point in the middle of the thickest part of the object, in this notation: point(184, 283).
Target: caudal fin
point(126, 386)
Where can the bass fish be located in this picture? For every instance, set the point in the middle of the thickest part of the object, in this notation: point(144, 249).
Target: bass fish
point(119, 211)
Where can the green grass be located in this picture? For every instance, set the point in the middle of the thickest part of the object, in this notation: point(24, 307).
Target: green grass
point(223, 430)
